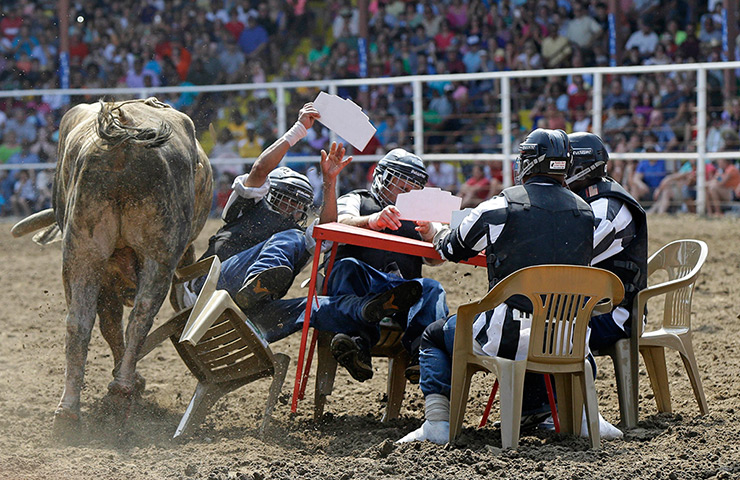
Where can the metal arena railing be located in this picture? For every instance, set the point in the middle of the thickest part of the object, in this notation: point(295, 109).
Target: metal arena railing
point(503, 117)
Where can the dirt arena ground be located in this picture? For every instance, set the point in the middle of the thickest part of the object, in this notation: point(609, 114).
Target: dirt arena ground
point(351, 443)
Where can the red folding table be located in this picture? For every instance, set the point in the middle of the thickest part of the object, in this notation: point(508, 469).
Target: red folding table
point(345, 234)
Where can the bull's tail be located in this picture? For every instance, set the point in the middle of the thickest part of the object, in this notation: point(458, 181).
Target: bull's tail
point(45, 220)
point(34, 222)
point(114, 127)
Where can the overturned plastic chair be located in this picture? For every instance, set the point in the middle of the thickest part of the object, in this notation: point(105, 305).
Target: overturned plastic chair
point(682, 261)
point(563, 297)
point(219, 345)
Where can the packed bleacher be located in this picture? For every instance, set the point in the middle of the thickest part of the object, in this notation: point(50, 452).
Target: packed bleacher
point(146, 43)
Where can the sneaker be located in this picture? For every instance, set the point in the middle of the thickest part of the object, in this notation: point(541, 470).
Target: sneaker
point(533, 420)
point(397, 300)
point(413, 371)
point(352, 355)
point(547, 424)
point(270, 284)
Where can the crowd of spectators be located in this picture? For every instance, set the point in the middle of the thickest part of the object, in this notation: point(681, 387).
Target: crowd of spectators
point(150, 43)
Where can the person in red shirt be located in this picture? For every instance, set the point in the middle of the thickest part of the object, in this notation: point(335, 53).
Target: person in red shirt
point(10, 25)
point(722, 187)
point(78, 49)
point(234, 26)
point(476, 188)
point(444, 38)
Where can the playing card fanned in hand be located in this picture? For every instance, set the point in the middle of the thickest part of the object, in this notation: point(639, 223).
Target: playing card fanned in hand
point(345, 118)
point(458, 216)
point(430, 204)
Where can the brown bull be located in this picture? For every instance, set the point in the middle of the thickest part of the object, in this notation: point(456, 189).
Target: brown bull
point(132, 190)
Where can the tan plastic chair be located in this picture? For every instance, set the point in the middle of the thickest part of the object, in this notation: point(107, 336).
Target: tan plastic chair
point(218, 344)
point(682, 261)
point(563, 297)
point(389, 346)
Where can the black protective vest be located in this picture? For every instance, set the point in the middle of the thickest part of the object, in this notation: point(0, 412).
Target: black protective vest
point(409, 265)
point(630, 265)
point(247, 224)
point(545, 224)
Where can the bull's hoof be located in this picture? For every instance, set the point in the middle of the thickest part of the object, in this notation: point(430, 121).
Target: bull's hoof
point(138, 388)
point(119, 389)
point(66, 423)
point(139, 384)
point(116, 407)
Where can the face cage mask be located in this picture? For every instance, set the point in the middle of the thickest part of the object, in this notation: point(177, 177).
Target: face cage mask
point(288, 205)
point(389, 179)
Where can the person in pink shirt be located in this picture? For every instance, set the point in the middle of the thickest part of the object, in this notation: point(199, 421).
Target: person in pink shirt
point(457, 15)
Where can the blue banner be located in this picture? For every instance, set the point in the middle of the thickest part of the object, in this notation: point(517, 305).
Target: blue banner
point(612, 41)
point(63, 70)
point(362, 48)
point(725, 32)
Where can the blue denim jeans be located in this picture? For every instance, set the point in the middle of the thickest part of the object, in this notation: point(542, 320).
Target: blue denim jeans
point(353, 277)
point(286, 248)
point(340, 313)
point(337, 314)
point(435, 361)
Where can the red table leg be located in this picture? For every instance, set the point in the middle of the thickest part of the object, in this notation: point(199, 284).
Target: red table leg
point(314, 337)
point(553, 407)
point(487, 411)
point(306, 322)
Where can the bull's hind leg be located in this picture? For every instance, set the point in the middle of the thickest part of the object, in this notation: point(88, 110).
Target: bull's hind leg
point(110, 312)
point(85, 253)
point(82, 285)
point(154, 282)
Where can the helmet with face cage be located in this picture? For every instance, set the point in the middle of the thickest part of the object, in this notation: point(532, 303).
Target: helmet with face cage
point(397, 172)
point(290, 194)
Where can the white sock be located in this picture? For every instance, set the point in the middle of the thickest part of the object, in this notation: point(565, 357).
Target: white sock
point(607, 431)
point(436, 427)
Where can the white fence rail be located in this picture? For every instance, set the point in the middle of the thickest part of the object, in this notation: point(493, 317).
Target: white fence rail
point(506, 155)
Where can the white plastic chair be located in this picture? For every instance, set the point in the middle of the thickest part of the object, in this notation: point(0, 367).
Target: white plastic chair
point(682, 261)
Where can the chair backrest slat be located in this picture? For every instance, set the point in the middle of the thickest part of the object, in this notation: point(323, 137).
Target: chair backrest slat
point(226, 356)
point(559, 326)
point(221, 350)
point(229, 350)
point(204, 346)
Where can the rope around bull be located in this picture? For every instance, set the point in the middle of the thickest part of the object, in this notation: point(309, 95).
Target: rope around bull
point(114, 132)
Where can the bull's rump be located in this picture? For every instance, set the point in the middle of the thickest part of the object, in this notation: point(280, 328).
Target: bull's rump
point(153, 199)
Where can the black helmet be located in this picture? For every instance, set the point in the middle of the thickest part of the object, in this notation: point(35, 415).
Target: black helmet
point(290, 194)
point(589, 160)
point(400, 169)
point(543, 151)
